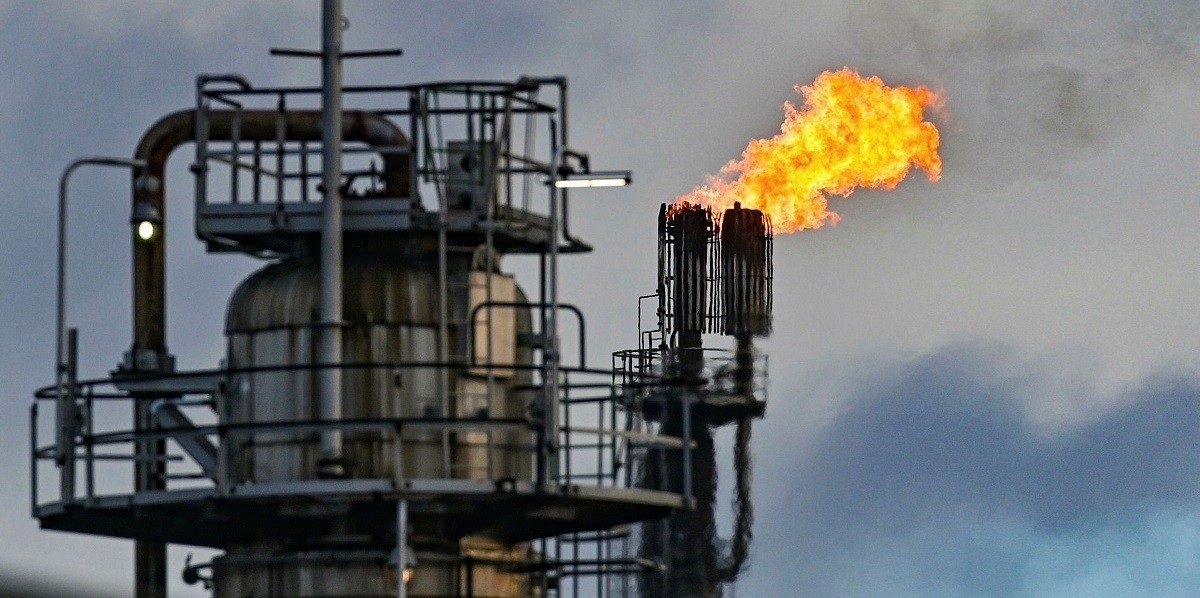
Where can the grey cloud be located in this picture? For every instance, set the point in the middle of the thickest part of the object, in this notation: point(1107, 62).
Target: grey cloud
point(1032, 86)
point(1067, 105)
point(933, 469)
point(1170, 26)
point(948, 433)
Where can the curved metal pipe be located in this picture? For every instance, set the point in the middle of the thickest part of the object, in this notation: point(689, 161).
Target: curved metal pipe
point(236, 79)
point(178, 128)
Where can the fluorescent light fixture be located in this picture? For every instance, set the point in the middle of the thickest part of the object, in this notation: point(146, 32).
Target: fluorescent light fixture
point(614, 178)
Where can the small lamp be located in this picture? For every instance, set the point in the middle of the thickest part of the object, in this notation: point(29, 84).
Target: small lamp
point(146, 221)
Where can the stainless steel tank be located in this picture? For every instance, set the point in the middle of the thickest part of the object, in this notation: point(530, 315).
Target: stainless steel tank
point(391, 318)
point(268, 571)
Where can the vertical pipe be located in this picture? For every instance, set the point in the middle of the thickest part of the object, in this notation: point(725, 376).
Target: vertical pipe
point(555, 226)
point(401, 547)
point(491, 359)
point(280, 136)
point(565, 143)
point(602, 442)
point(303, 171)
point(60, 319)
point(331, 236)
point(148, 354)
point(543, 451)
point(438, 177)
point(444, 326)
point(257, 180)
point(200, 130)
point(69, 415)
point(235, 134)
point(550, 351)
point(223, 476)
point(90, 446)
point(150, 557)
point(33, 460)
point(490, 195)
point(688, 443)
point(564, 452)
point(413, 162)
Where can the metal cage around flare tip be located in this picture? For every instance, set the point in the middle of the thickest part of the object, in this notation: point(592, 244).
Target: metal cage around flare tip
point(715, 272)
point(686, 258)
point(746, 271)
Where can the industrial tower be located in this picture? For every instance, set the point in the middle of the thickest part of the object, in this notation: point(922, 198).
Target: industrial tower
point(395, 415)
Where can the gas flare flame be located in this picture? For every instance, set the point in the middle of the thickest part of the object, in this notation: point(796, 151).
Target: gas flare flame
point(853, 131)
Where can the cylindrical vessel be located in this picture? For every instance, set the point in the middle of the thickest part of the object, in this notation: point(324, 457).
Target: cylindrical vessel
point(272, 571)
point(263, 572)
point(390, 319)
point(391, 343)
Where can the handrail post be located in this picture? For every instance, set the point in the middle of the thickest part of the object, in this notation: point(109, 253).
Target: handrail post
point(33, 460)
point(67, 419)
point(64, 375)
point(89, 445)
point(688, 438)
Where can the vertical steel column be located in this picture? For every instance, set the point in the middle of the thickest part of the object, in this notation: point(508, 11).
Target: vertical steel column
point(331, 237)
point(554, 357)
point(550, 357)
point(148, 353)
point(401, 547)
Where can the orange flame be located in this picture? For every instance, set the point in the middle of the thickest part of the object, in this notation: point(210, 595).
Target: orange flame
point(853, 131)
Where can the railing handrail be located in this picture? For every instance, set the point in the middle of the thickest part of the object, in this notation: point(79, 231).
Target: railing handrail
point(47, 392)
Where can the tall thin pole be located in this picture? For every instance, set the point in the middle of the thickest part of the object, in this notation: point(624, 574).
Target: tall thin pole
point(401, 548)
point(63, 406)
point(550, 359)
point(331, 236)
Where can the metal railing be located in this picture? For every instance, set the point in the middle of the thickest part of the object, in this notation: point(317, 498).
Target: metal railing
point(599, 435)
point(507, 129)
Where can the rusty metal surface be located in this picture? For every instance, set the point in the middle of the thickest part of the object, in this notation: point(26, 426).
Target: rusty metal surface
point(746, 272)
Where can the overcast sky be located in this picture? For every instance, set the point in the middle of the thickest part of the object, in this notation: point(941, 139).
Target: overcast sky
point(980, 387)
